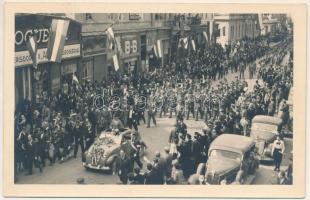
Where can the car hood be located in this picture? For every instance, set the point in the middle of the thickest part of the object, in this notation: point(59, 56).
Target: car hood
point(102, 146)
point(221, 166)
point(267, 136)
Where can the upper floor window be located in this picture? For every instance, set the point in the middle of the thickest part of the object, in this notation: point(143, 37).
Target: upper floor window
point(224, 31)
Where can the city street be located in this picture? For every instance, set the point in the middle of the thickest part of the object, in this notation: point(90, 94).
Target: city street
point(156, 138)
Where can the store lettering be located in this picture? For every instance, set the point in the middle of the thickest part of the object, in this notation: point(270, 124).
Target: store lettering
point(131, 46)
point(23, 57)
point(41, 34)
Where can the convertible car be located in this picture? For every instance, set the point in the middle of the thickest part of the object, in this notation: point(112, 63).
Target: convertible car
point(103, 153)
point(231, 159)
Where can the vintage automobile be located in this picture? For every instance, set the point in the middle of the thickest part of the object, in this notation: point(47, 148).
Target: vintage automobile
point(264, 130)
point(231, 157)
point(103, 153)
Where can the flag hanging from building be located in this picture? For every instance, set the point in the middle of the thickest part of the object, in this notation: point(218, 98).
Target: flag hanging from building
point(115, 62)
point(159, 48)
point(193, 45)
point(155, 50)
point(56, 41)
point(75, 79)
point(183, 42)
point(33, 50)
point(205, 36)
point(118, 45)
point(111, 39)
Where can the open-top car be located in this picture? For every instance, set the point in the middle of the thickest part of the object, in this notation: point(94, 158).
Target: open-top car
point(103, 153)
point(264, 130)
point(231, 157)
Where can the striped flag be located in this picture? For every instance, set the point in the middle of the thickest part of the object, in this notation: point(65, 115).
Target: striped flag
point(159, 48)
point(33, 50)
point(115, 62)
point(57, 37)
point(155, 50)
point(118, 45)
point(193, 45)
point(110, 35)
point(185, 42)
point(75, 79)
point(205, 36)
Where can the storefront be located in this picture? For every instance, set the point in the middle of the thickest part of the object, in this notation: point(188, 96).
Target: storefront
point(163, 35)
point(94, 62)
point(129, 52)
point(48, 77)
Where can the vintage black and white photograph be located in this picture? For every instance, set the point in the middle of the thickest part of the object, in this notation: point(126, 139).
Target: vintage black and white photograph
point(153, 98)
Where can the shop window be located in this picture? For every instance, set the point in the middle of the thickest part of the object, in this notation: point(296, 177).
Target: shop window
point(41, 78)
point(88, 70)
point(67, 70)
point(158, 16)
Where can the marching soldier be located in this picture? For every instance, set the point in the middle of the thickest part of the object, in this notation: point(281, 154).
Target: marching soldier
point(198, 106)
point(151, 112)
point(189, 105)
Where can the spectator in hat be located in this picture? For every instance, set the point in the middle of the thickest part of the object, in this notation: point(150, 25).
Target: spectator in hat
point(177, 174)
point(150, 175)
point(138, 177)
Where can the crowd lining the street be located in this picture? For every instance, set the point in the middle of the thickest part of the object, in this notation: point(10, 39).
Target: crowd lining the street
point(54, 127)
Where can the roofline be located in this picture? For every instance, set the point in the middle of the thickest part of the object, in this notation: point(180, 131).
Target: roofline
point(49, 15)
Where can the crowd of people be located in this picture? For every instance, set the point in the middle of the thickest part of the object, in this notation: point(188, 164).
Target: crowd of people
point(52, 128)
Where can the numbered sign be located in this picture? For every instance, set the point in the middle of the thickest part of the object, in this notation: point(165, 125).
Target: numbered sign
point(131, 46)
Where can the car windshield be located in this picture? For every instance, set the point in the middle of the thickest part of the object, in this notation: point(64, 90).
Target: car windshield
point(223, 154)
point(264, 127)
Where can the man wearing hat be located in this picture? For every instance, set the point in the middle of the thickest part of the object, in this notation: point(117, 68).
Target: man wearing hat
point(181, 127)
point(197, 149)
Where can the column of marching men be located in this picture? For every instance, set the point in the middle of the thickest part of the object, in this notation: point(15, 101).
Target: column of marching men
point(53, 128)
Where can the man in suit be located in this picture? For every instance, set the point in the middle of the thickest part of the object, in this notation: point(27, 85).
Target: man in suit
point(123, 167)
point(181, 127)
point(132, 118)
point(30, 153)
point(151, 112)
point(167, 157)
point(150, 175)
point(78, 138)
point(197, 149)
point(138, 178)
point(161, 167)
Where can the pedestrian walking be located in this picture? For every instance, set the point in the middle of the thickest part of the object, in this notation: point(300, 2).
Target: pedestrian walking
point(277, 151)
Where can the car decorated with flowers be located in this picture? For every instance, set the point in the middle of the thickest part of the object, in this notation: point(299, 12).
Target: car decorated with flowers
point(103, 153)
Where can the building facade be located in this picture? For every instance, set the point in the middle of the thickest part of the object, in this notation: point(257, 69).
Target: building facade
point(233, 27)
point(135, 35)
point(272, 23)
point(33, 83)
